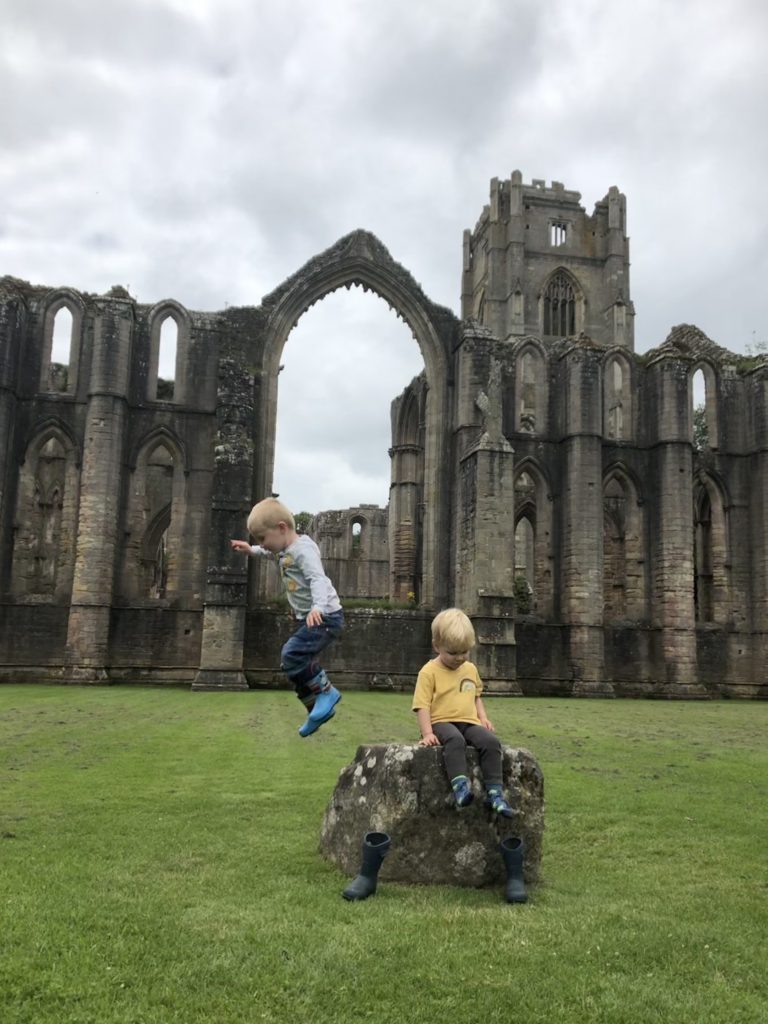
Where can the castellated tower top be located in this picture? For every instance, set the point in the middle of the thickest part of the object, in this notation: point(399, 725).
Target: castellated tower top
point(538, 264)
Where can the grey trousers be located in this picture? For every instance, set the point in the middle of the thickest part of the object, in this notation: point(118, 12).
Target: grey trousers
point(455, 736)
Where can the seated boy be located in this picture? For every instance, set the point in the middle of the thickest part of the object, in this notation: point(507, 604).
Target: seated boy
point(450, 711)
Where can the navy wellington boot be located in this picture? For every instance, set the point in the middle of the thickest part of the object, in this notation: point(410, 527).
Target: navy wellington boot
point(512, 854)
point(375, 846)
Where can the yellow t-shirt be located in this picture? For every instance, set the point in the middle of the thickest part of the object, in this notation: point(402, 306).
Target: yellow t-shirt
point(448, 694)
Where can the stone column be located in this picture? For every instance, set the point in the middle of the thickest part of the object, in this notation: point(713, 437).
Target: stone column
point(581, 585)
point(485, 540)
point(758, 518)
point(226, 585)
point(87, 651)
point(11, 324)
point(672, 552)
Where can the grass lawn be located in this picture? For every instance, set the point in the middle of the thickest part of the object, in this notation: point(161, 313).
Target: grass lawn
point(158, 863)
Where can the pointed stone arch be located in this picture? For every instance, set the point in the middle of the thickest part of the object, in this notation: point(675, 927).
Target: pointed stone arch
point(562, 305)
point(531, 387)
point(45, 523)
point(625, 585)
point(533, 506)
point(361, 259)
point(151, 563)
point(158, 315)
point(710, 421)
point(711, 549)
point(54, 377)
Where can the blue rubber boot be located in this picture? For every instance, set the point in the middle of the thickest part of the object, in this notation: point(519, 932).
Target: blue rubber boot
point(462, 791)
point(375, 846)
point(324, 708)
point(512, 854)
point(495, 801)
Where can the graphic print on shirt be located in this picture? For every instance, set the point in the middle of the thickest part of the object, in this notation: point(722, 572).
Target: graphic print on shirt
point(467, 686)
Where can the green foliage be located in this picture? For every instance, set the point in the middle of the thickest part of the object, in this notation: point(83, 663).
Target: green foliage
point(164, 390)
point(302, 520)
point(160, 866)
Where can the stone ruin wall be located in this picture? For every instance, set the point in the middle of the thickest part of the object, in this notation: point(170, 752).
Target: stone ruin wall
point(551, 483)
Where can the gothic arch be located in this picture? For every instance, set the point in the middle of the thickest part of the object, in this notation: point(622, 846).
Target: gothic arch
point(361, 259)
point(149, 441)
point(531, 387)
point(158, 314)
point(52, 426)
point(54, 302)
point(151, 565)
point(562, 305)
point(45, 522)
point(710, 401)
point(625, 586)
point(711, 549)
point(534, 505)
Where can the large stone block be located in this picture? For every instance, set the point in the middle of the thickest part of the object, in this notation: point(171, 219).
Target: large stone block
point(403, 790)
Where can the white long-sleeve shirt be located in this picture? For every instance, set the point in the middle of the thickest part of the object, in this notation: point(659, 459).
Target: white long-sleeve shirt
point(304, 579)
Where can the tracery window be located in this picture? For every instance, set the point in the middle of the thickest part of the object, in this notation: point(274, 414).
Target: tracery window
point(560, 307)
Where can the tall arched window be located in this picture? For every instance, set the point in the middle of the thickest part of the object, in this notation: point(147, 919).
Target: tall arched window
point(624, 581)
point(702, 407)
point(169, 353)
point(617, 398)
point(560, 307)
point(530, 391)
point(703, 595)
point(61, 344)
point(533, 535)
point(166, 364)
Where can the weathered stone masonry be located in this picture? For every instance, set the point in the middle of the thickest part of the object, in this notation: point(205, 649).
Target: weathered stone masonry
point(544, 477)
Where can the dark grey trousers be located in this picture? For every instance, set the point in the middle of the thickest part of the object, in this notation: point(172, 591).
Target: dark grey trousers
point(455, 736)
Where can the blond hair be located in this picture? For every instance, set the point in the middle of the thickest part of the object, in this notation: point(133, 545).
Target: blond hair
point(451, 628)
point(266, 514)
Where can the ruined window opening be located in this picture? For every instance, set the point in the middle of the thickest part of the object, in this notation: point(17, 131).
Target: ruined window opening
point(387, 350)
point(356, 535)
point(614, 550)
point(702, 410)
point(614, 400)
point(529, 374)
point(61, 350)
point(558, 232)
point(525, 564)
point(703, 585)
point(560, 307)
point(166, 363)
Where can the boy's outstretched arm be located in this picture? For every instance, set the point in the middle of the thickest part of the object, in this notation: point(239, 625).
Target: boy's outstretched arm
point(241, 545)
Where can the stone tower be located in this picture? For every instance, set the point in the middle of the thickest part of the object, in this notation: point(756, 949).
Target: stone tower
point(537, 264)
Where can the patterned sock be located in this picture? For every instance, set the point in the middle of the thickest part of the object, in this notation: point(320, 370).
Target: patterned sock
point(462, 791)
point(495, 800)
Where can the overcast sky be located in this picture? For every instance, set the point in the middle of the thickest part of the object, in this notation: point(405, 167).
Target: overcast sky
point(204, 150)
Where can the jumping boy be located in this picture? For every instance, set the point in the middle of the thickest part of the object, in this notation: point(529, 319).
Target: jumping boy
point(451, 712)
point(313, 600)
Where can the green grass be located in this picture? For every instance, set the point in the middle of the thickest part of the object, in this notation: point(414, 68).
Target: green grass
point(158, 863)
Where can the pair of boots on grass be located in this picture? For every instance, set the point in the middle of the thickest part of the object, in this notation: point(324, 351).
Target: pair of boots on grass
point(376, 846)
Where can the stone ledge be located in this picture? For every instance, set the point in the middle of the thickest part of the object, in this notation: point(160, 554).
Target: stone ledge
point(402, 789)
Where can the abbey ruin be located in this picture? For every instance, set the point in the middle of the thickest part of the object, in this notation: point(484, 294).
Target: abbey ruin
point(544, 477)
